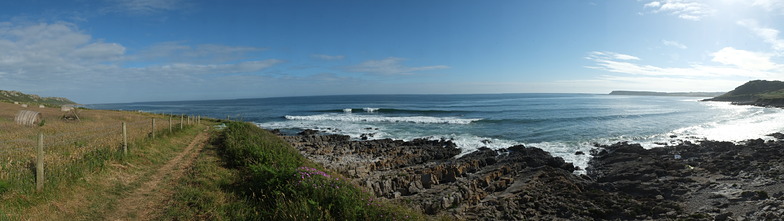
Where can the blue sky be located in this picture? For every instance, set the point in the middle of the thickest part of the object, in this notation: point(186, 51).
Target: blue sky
point(106, 51)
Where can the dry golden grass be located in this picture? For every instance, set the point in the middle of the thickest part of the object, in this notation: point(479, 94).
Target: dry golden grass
point(67, 141)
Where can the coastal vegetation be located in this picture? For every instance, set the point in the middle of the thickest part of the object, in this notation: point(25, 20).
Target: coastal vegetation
point(244, 173)
point(86, 170)
point(16, 96)
point(757, 92)
point(266, 178)
point(669, 94)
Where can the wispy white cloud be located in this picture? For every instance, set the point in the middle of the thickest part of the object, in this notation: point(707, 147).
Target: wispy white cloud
point(611, 55)
point(59, 57)
point(143, 7)
point(328, 57)
point(769, 35)
point(769, 5)
point(684, 9)
point(390, 66)
point(744, 59)
point(731, 63)
point(730, 67)
point(185, 69)
point(180, 52)
point(674, 44)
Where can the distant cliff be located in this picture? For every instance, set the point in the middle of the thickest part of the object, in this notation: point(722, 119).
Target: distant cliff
point(672, 94)
point(757, 92)
point(16, 96)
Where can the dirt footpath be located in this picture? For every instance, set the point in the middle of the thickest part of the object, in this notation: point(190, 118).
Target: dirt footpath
point(149, 199)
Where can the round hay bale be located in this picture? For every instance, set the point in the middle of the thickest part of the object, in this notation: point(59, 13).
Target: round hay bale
point(65, 108)
point(28, 118)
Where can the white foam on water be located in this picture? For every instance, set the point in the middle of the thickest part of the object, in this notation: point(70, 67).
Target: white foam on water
point(351, 129)
point(739, 123)
point(733, 123)
point(370, 109)
point(347, 110)
point(377, 118)
point(567, 151)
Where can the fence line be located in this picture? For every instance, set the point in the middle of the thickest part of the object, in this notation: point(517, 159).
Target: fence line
point(13, 160)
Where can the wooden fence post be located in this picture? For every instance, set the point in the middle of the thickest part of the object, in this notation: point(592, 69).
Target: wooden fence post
point(39, 167)
point(181, 117)
point(153, 128)
point(170, 126)
point(125, 139)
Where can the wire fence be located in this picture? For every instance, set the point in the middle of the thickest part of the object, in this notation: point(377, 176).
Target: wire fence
point(75, 145)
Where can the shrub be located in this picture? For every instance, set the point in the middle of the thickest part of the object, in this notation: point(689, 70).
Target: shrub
point(278, 179)
point(3, 187)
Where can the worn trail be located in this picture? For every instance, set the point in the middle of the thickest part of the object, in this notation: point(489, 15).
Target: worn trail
point(150, 198)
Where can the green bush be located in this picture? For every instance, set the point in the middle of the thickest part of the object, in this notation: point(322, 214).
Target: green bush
point(3, 187)
point(245, 144)
point(286, 186)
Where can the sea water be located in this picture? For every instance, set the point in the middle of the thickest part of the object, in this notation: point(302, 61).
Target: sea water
point(562, 124)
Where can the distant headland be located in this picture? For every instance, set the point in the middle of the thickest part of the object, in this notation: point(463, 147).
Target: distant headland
point(19, 97)
point(758, 93)
point(670, 94)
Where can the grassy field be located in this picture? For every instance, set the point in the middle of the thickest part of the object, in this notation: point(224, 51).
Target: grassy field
point(99, 193)
point(73, 149)
point(245, 173)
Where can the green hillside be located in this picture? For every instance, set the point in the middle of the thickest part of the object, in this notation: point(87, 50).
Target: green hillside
point(667, 94)
point(757, 92)
point(753, 90)
point(16, 96)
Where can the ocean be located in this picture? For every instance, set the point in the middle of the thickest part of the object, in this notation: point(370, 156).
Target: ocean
point(561, 124)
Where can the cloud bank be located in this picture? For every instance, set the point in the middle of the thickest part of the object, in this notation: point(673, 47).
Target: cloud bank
point(42, 57)
point(389, 67)
point(684, 9)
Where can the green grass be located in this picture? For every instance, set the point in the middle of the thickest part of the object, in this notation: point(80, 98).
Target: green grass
point(258, 176)
point(203, 193)
point(61, 179)
point(3, 186)
point(773, 95)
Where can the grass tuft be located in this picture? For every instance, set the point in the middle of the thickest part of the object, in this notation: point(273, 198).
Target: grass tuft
point(3, 187)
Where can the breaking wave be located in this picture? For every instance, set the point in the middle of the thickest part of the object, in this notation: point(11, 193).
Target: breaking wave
point(377, 118)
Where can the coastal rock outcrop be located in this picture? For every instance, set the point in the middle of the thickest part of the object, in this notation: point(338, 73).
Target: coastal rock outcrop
point(706, 181)
point(758, 93)
point(710, 180)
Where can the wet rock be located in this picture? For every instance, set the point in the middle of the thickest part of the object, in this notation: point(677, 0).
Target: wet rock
point(624, 181)
point(777, 135)
point(308, 132)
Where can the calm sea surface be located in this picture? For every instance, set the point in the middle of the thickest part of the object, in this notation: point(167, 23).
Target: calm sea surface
point(558, 123)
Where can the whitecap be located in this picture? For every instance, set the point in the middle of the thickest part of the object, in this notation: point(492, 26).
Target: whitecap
point(376, 118)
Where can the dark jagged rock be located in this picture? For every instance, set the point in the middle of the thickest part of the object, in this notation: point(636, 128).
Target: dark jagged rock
point(705, 181)
point(308, 132)
point(777, 135)
point(713, 180)
point(515, 183)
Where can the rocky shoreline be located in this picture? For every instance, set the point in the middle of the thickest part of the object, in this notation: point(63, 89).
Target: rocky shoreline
point(706, 181)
